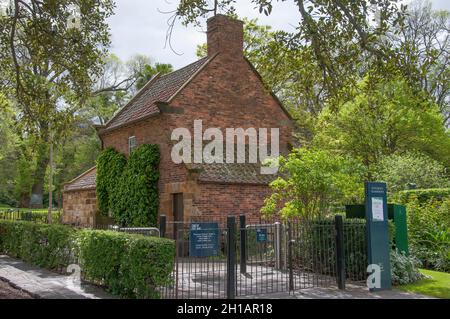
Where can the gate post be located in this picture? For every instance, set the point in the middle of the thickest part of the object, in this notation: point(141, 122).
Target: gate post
point(278, 246)
point(162, 225)
point(243, 244)
point(231, 257)
point(340, 256)
point(290, 244)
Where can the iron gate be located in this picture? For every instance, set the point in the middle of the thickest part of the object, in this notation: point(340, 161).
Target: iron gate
point(255, 259)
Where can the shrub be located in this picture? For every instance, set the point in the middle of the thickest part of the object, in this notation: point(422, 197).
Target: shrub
point(128, 265)
point(311, 182)
point(423, 195)
point(429, 233)
point(404, 269)
point(48, 246)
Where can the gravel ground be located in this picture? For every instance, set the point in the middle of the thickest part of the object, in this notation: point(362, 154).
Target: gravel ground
point(8, 292)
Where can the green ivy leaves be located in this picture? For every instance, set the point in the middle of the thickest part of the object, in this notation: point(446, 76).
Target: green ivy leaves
point(129, 189)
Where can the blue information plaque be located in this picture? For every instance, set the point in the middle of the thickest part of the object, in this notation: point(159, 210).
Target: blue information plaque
point(261, 235)
point(203, 239)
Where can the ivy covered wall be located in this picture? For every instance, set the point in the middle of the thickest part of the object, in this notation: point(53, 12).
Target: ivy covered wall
point(127, 190)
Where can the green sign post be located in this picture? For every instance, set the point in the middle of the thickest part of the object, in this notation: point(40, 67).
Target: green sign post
point(377, 236)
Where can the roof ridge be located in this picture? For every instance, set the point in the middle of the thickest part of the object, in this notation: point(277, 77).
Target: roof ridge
point(184, 67)
point(81, 175)
point(138, 93)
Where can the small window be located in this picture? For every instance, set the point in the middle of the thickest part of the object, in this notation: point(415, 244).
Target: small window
point(131, 144)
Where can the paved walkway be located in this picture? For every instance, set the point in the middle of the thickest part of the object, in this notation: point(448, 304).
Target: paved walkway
point(41, 283)
point(350, 292)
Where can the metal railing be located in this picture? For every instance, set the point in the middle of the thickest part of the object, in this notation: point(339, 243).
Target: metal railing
point(267, 258)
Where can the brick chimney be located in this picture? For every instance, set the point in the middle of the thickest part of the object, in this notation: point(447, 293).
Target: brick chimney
point(225, 35)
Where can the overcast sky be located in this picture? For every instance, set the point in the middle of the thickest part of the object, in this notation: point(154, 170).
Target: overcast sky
point(138, 26)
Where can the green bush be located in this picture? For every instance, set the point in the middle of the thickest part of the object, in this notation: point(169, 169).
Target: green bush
point(128, 265)
point(400, 171)
point(48, 246)
point(404, 269)
point(422, 195)
point(129, 189)
point(429, 233)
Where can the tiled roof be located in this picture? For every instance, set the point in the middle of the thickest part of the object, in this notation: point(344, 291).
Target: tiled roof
point(83, 182)
point(236, 173)
point(159, 89)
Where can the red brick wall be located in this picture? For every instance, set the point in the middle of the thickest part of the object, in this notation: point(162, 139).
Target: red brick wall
point(154, 130)
point(215, 202)
point(227, 93)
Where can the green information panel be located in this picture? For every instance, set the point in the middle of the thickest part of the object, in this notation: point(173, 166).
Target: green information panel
point(377, 236)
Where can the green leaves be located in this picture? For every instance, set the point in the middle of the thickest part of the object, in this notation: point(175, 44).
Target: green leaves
point(311, 183)
point(110, 166)
point(382, 119)
point(132, 266)
point(129, 189)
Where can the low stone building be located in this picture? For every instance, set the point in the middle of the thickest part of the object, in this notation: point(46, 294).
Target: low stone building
point(80, 201)
point(223, 90)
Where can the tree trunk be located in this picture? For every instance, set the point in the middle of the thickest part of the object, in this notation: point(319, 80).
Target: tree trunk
point(37, 190)
point(24, 200)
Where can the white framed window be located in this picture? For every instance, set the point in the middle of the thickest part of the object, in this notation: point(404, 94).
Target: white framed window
point(131, 144)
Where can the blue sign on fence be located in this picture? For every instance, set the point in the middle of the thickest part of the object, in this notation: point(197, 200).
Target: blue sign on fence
point(261, 235)
point(203, 239)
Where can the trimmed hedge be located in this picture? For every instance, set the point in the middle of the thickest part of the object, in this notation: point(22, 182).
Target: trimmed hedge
point(129, 265)
point(423, 195)
point(47, 246)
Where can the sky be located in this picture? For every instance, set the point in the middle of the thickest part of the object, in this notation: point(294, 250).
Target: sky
point(140, 26)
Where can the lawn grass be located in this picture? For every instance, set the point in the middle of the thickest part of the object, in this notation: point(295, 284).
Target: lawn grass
point(437, 286)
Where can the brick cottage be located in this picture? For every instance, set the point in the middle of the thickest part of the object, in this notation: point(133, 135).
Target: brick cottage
point(223, 90)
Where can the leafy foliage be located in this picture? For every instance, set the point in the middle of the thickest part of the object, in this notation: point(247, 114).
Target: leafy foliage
point(429, 232)
point(149, 71)
point(402, 171)
point(48, 246)
point(110, 165)
point(137, 200)
point(404, 269)
point(128, 265)
point(129, 189)
point(423, 195)
point(382, 120)
point(311, 182)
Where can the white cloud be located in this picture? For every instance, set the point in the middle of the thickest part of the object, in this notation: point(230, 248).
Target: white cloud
point(138, 27)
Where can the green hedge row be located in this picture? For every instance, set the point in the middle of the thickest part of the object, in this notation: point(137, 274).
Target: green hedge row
point(132, 266)
point(423, 195)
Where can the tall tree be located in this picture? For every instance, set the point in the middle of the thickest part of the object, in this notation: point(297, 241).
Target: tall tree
point(342, 36)
point(423, 45)
point(390, 118)
point(50, 53)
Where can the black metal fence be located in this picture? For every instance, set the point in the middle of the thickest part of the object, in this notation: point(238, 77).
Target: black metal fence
point(261, 259)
